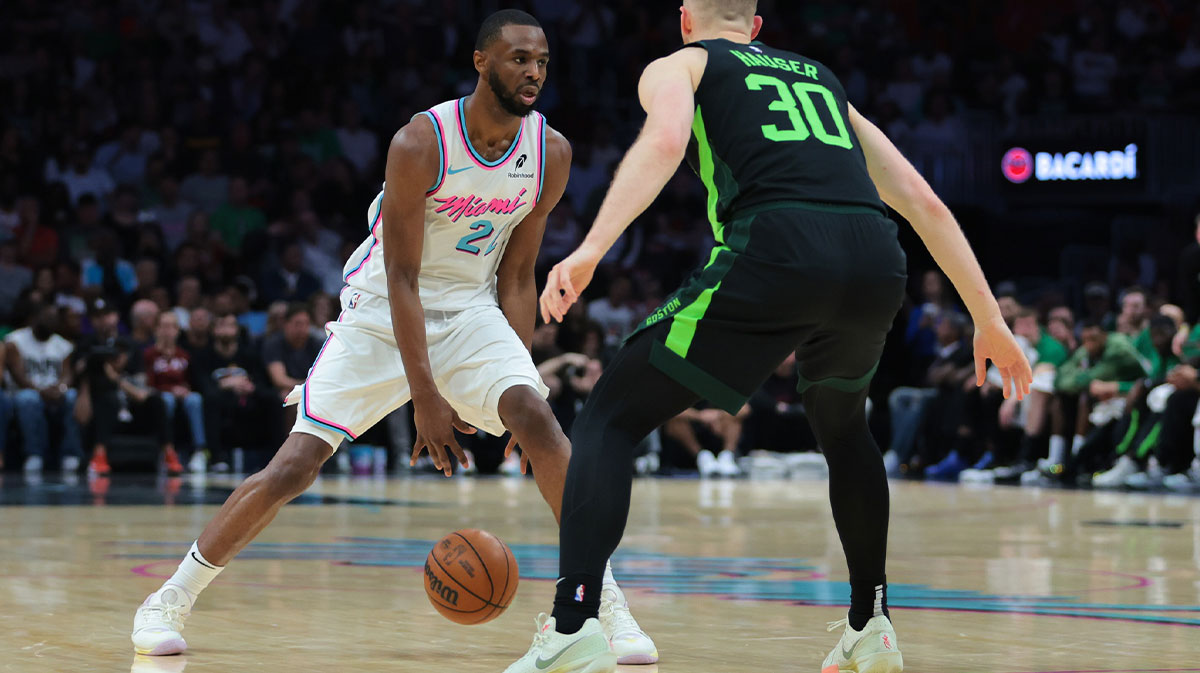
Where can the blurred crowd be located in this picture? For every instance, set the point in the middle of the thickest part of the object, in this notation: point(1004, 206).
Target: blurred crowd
point(182, 180)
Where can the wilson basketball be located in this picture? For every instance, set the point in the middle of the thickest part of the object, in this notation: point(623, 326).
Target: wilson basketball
point(470, 576)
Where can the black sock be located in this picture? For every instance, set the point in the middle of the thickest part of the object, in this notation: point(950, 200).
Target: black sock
point(867, 601)
point(576, 600)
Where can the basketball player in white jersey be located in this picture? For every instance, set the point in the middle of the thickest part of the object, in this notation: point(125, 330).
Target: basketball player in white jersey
point(439, 307)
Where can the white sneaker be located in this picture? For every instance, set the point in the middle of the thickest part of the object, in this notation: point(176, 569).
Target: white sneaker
point(1180, 483)
point(872, 650)
point(707, 462)
point(727, 464)
point(144, 664)
point(1115, 478)
point(891, 463)
point(511, 465)
point(977, 477)
point(584, 652)
point(33, 465)
point(647, 464)
point(1152, 477)
point(342, 460)
point(158, 622)
point(198, 463)
point(70, 464)
point(627, 639)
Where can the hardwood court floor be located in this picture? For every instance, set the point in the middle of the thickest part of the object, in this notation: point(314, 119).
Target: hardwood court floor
point(727, 576)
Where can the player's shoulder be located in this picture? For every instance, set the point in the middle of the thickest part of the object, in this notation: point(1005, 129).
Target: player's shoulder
point(558, 148)
point(418, 134)
point(688, 62)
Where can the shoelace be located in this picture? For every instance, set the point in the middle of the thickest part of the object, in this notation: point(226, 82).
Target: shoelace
point(540, 634)
point(839, 624)
point(172, 614)
point(619, 617)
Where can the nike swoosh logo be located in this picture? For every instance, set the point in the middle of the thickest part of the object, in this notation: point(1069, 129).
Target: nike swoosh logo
point(460, 170)
point(849, 654)
point(206, 565)
point(543, 664)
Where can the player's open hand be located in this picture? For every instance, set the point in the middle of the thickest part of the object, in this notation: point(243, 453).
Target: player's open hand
point(566, 282)
point(512, 445)
point(436, 422)
point(994, 341)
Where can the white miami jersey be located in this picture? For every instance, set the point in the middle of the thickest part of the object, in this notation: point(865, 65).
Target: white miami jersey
point(470, 213)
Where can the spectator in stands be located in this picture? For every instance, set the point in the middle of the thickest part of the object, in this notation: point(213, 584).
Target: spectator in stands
point(83, 177)
point(241, 406)
point(921, 336)
point(143, 329)
point(614, 311)
point(188, 297)
point(207, 188)
point(38, 363)
point(947, 375)
point(1188, 283)
point(172, 213)
point(168, 371)
point(115, 394)
point(359, 145)
point(1135, 312)
point(289, 354)
point(773, 419)
point(289, 281)
point(236, 219)
point(39, 243)
point(1097, 306)
point(106, 270)
point(14, 278)
point(199, 333)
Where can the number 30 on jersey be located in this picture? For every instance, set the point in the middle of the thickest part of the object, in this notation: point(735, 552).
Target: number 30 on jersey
point(804, 95)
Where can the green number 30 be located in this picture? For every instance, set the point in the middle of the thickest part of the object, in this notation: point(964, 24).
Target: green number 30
point(804, 92)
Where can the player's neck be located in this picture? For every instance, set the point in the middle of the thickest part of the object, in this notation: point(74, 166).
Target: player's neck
point(733, 35)
point(487, 122)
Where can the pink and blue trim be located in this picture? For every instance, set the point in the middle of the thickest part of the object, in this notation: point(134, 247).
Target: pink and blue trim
point(541, 171)
point(306, 412)
point(443, 150)
point(374, 237)
point(475, 156)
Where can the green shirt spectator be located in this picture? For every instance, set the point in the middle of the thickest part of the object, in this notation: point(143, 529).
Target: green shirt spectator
point(234, 220)
point(1102, 357)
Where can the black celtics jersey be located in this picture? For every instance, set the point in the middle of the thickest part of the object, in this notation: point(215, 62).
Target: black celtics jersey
point(772, 126)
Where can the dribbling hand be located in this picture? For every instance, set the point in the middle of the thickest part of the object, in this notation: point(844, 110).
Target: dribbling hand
point(994, 341)
point(436, 422)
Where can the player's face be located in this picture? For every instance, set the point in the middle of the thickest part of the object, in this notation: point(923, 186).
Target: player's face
point(516, 68)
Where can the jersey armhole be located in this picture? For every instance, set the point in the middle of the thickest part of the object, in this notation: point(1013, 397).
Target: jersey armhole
point(541, 164)
point(442, 149)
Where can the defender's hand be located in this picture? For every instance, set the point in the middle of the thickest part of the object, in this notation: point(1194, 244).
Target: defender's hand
point(436, 422)
point(567, 280)
point(994, 341)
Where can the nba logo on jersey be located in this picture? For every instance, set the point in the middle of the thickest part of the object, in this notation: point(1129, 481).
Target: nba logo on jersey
point(755, 49)
point(354, 300)
point(579, 594)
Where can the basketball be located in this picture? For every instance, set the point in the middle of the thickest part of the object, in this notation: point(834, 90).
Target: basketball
point(470, 576)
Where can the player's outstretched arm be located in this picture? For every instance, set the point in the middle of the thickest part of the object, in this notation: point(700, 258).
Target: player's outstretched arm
point(903, 188)
point(668, 94)
point(516, 285)
point(412, 166)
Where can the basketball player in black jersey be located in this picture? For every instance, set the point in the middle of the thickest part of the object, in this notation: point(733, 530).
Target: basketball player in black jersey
point(806, 261)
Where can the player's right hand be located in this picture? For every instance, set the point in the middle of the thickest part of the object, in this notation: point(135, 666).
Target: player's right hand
point(995, 342)
point(566, 282)
point(436, 422)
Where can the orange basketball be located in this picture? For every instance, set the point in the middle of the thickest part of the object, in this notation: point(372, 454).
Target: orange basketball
point(470, 576)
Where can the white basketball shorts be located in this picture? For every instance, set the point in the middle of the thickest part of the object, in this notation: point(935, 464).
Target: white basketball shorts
point(358, 377)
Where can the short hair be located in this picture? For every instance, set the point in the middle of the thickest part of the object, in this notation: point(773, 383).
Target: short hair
point(728, 10)
point(1093, 323)
point(492, 26)
point(296, 308)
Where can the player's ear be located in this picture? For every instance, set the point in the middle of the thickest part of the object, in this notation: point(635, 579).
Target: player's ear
point(480, 59)
point(686, 22)
point(757, 27)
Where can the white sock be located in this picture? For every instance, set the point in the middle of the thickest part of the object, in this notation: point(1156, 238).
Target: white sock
point(1058, 449)
point(1076, 444)
point(608, 576)
point(195, 573)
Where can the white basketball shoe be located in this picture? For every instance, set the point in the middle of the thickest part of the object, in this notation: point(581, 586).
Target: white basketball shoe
point(872, 650)
point(586, 651)
point(629, 642)
point(159, 621)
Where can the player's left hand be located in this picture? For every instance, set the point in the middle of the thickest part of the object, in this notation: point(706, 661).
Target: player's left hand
point(512, 444)
point(567, 280)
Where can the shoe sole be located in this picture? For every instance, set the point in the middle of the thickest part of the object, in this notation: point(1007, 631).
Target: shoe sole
point(638, 659)
point(882, 662)
point(604, 663)
point(164, 649)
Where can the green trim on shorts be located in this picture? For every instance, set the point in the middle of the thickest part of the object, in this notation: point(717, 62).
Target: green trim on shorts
point(1150, 441)
point(840, 385)
point(696, 379)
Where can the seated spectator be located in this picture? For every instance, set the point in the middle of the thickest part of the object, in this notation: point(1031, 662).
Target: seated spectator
point(236, 218)
point(188, 298)
point(104, 269)
point(172, 213)
point(1097, 306)
point(168, 371)
point(774, 418)
point(289, 281)
point(1097, 376)
point(921, 335)
point(699, 431)
point(114, 393)
point(614, 311)
point(14, 279)
point(947, 376)
point(207, 188)
point(241, 406)
point(37, 361)
point(84, 177)
point(39, 242)
point(1135, 312)
point(199, 332)
point(290, 354)
point(143, 328)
